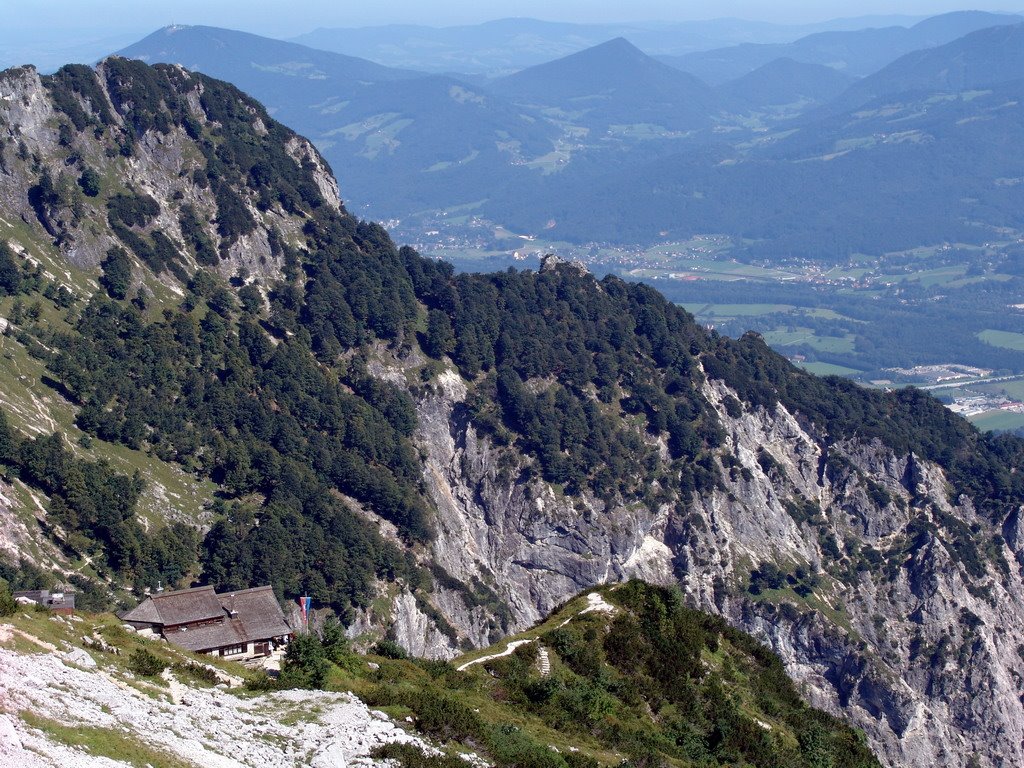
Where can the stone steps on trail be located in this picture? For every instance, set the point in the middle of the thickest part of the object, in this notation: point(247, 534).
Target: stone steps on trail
point(544, 661)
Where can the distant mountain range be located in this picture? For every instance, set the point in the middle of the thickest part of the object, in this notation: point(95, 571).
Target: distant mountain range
point(396, 137)
point(614, 83)
point(248, 57)
point(854, 52)
point(505, 45)
point(608, 144)
point(980, 59)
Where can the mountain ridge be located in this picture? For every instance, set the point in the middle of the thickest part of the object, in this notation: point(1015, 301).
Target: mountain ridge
point(986, 57)
point(785, 80)
point(614, 82)
point(858, 53)
point(504, 45)
point(423, 153)
point(374, 129)
point(192, 40)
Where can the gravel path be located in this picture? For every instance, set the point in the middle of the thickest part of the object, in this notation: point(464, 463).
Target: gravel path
point(507, 652)
point(595, 602)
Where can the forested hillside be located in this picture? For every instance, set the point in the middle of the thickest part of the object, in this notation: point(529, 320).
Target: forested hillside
point(445, 458)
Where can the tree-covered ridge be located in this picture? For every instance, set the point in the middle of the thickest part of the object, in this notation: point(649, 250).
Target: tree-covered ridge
point(248, 165)
point(216, 395)
point(572, 367)
point(286, 417)
point(94, 508)
point(263, 384)
point(618, 349)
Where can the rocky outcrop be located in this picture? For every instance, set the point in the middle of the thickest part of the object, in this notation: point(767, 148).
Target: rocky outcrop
point(901, 611)
point(197, 726)
point(518, 538)
point(162, 165)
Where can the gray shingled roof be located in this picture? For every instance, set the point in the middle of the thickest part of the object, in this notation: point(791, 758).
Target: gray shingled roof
point(258, 610)
point(144, 612)
point(248, 615)
point(180, 607)
point(209, 636)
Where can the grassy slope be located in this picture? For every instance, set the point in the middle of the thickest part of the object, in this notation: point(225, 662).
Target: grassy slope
point(483, 709)
point(493, 691)
point(35, 408)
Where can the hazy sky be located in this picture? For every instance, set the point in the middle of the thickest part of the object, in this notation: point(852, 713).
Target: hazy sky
point(37, 17)
point(49, 33)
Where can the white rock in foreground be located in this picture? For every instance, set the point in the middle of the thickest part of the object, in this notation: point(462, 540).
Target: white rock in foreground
point(209, 727)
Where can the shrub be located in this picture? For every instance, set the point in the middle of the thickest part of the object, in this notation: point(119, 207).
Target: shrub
point(117, 273)
point(305, 663)
point(336, 646)
point(10, 272)
point(233, 218)
point(197, 671)
point(195, 236)
point(89, 181)
point(410, 756)
point(132, 210)
point(145, 663)
point(261, 681)
point(389, 649)
point(7, 604)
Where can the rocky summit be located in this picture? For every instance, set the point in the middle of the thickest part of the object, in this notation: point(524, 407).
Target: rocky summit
point(213, 373)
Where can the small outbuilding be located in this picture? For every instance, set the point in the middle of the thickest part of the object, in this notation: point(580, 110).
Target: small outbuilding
point(246, 624)
point(58, 602)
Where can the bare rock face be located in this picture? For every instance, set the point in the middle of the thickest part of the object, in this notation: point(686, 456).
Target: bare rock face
point(161, 165)
point(518, 538)
point(551, 262)
point(909, 629)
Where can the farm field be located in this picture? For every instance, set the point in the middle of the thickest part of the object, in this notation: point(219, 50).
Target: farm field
point(702, 311)
point(1012, 389)
point(998, 420)
point(1004, 339)
point(828, 369)
point(781, 339)
point(927, 277)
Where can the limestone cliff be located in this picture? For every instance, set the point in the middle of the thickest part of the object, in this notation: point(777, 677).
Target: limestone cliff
point(917, 650)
